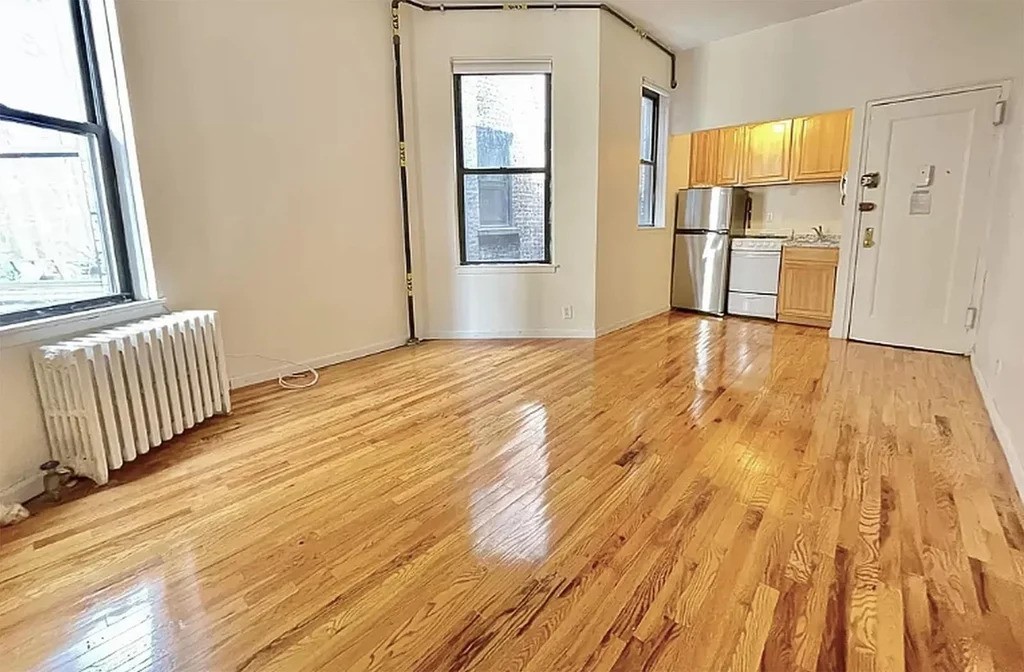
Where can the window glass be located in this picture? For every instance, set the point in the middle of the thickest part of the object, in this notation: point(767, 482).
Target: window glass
point(53, 232)
point(504, 175)
point(39, 68)
point(504, 120)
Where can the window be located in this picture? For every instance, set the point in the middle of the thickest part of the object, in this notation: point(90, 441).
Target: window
point(62, 244)
point(503, 160)
point(649, 122)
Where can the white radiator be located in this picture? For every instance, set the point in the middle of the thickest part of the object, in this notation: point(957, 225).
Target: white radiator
point(110, 396)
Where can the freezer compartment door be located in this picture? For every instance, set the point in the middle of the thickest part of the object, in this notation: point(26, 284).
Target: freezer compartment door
point(722, 209)
point(700, 271)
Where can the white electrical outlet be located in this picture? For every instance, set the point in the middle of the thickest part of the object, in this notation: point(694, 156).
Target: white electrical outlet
point(566, 312)
point(769, 217)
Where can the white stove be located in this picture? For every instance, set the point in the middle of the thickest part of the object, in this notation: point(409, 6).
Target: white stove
point(754, 276)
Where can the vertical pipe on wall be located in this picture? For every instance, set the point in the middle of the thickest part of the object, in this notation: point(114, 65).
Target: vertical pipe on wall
point(403, 172)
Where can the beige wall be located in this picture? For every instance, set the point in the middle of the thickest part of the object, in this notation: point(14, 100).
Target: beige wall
point(266, 140)
point(454, 302)
point(633, 263)
point(796, 207)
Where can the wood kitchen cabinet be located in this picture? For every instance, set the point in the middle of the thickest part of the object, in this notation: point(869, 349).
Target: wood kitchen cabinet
point(730, 155)
point(767, 152)
point(704, 158)
point(807, 285)
point(820, 146)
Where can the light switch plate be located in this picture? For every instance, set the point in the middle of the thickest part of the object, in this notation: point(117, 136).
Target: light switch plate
point(924, 175)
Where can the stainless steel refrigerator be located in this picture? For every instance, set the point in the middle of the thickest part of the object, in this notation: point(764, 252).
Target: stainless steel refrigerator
point(705, 220)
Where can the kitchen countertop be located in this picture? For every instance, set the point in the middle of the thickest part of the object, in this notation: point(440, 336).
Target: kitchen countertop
point(812, 240)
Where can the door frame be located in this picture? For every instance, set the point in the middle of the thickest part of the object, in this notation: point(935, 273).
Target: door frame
point(849, 250)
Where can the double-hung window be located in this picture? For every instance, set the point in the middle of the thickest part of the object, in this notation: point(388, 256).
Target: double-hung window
point(503, 165)
point(62, 242)
point(650, 103)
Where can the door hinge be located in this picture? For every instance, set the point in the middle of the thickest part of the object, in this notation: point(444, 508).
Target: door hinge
point(408, 283)
point(401, 154)
point(999, 113)
point(971, 318)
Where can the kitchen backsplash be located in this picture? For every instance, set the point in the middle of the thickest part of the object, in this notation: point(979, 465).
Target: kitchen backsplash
point(796, 207)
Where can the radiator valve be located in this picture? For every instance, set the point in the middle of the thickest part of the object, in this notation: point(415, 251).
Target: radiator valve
point(56, 478)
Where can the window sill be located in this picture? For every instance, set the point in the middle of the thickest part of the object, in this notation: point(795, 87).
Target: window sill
point(496, 269)
point(60, 326)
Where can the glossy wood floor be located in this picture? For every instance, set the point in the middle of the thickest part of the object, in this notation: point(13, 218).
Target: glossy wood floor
point(687, 494)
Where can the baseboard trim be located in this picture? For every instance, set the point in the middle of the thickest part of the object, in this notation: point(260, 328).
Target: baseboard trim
point(23, 490)
point(1002, 431)
point(517, 333)
point(622, 324)
point(316, 363)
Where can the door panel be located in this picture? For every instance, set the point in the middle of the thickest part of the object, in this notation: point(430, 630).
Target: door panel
point(768, 146)
point(913, 286)
point(807, 286)
point(820, 146)
point(754, 272)
point(730, 154)
point(699, 270)
point(703, 158)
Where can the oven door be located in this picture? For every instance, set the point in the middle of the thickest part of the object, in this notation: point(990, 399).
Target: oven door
point(754, 271)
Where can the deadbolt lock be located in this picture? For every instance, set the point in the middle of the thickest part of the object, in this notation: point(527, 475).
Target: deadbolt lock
point(869, 180)
point(869, 236)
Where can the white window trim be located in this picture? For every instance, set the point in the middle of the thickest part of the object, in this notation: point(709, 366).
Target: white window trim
point(62, 326)
point(661, 208)
point(531, 66)
point(510, 67)
point(110, 66)
point(501, 269)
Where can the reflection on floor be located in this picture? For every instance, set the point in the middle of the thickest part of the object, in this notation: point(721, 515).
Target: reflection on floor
point(686, 494)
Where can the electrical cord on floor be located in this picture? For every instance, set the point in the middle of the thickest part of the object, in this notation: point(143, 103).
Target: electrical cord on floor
point(303, 377)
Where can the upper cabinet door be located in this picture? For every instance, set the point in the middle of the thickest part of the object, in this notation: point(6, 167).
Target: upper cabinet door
point(820, 146)
point(766, 159)
point(704, 158)
point(730, 155)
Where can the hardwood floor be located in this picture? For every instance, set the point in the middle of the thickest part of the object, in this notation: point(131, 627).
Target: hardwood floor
point(687, 494)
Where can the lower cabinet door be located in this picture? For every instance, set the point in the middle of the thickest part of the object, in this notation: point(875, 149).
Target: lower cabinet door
point(807, 285)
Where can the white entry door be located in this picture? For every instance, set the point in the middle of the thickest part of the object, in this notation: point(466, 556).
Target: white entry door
point(918, 250)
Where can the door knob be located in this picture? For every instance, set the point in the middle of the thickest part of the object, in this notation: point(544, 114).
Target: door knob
point(869, 237)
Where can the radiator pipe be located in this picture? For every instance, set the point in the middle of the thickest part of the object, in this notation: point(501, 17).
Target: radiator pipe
point(396, 42)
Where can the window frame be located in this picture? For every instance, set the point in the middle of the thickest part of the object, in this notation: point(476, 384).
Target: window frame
point(96, 126)
point(461, 171)
point(655, 99)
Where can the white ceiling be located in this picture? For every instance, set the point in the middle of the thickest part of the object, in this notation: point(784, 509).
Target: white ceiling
point(687, 23)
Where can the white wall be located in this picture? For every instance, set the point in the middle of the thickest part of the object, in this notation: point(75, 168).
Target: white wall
point(796, 207)
point(267, 145)
point(454, 302)
point(999, 351)
point(633, 263)
point(844, 58)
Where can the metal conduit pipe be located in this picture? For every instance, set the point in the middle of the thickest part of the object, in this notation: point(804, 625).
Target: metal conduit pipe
point(396, 41)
